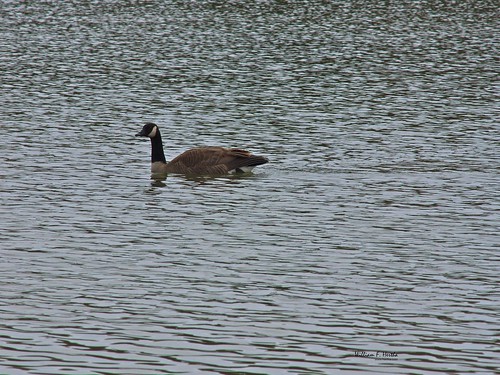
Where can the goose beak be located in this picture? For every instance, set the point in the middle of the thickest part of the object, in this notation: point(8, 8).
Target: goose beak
point(141, 134)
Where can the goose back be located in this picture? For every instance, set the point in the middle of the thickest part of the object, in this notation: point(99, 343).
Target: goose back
point(214, 161)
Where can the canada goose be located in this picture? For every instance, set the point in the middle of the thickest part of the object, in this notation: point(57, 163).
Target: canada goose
point(212, 161)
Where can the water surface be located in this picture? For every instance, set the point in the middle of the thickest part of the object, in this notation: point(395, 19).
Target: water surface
point(367, 245)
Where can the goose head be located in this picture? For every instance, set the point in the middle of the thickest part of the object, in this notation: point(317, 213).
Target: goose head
point(149, 130)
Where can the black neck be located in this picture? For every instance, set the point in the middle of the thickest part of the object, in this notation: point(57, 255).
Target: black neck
point(157, 148)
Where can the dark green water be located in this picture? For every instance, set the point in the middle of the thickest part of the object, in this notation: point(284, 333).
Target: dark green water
point(367, 245)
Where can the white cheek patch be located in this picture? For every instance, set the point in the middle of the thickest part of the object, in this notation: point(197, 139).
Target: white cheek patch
point(152, 134)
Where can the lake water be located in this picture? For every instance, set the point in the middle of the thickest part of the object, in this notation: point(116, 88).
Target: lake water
point(368, 244)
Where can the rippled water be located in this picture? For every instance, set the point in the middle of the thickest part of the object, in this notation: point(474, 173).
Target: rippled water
point(367, 245)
